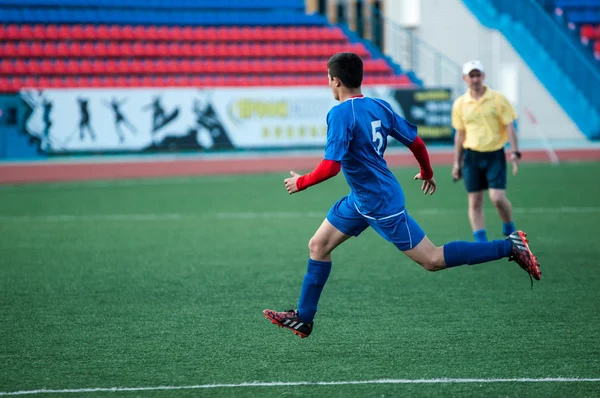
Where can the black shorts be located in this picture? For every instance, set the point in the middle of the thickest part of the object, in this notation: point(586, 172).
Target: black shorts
point(483, 170)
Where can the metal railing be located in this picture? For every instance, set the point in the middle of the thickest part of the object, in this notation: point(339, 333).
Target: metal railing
point(412, 53)
point(405, 47)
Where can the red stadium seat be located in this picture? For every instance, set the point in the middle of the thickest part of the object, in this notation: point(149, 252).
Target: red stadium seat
point(13, 32)
point(72, 81)
point(62, 67)
point(49, 33)
point(139, 32)
point(161, 33)
point(44, 82)
point(35, 49)
point(100, 31)
point(35, 32)
point(114, 32)
point(126, 33)
point(62, 50)
point(8, 50)
point(146, 81)
point(98, 50)
point(97, 55)
point(29, 81)
point(63, 32)
point(92, 81)
point(89, 32)
point(78, 32)
point(109, 81)
point(588, 32)
point(111, 67)
point(8, 85)
point(48, 49)
point(19, 67)
point(26, 33)
point(186, 33)
point(74, 49)
point(160, 49)
point(45, 67)
point(7, 68)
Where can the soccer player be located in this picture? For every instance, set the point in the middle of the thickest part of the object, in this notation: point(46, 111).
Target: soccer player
point(483, 119)
point(357, 132)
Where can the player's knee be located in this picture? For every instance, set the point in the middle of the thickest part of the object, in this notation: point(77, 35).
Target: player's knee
point(498, 200)
point(433, 266)
point(434, 262)
point(476, 202)
point(317, 248)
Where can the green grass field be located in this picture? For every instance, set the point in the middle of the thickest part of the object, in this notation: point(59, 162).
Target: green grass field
point(163, 282)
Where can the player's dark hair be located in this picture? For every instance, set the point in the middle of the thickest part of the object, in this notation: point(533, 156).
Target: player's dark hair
point(348, 67)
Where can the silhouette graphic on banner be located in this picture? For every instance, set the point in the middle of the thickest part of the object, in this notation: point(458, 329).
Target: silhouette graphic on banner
point(119, 118)
point(84, 121)
point(159, 118)
point(47, 122)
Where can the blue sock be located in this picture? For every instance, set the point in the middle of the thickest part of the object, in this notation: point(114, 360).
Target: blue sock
point(317, 273)
point(480, 235)
point(508, 228)
point(460, 253)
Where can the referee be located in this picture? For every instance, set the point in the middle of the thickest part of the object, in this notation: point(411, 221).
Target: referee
point(484, 122)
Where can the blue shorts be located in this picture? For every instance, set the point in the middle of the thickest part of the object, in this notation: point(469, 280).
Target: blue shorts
point(483, 170)
point(400, 228)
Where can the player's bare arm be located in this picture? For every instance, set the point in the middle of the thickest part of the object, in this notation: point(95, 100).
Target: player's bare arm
point(514, 145)
point(459, 139)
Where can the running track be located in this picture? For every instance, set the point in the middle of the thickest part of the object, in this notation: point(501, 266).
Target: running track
point(103, 169)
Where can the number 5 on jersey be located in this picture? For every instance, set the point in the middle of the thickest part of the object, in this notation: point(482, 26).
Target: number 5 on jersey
point(377, 137)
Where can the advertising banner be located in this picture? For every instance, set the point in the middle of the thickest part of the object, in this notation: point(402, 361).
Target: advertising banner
point(152, 119)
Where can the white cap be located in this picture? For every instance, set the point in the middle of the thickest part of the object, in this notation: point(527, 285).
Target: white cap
point(470, 66)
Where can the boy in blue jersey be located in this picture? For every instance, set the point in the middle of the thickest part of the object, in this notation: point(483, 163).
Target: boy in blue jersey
point(357, 131)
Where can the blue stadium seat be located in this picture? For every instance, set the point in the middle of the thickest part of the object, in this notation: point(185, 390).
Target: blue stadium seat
point(584, 17)
point(577, 3)
point(152, 17)
point(161, 4)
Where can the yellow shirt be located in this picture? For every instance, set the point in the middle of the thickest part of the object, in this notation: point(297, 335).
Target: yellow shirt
point(483, 121)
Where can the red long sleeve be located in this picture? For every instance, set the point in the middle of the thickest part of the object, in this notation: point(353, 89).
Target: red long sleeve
point(420, 153)
point(324, 170)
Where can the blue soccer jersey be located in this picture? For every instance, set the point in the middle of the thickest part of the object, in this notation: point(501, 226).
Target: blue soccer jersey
point(357, 132)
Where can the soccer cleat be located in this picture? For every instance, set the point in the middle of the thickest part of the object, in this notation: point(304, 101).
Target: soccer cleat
point(522, 255)
point(290, 320)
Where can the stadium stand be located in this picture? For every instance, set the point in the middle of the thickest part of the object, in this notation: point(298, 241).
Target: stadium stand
point(126, 43)
point(582, 16)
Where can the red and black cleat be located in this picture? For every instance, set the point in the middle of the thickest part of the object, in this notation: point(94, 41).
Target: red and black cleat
point(290, 320)
point(522, 255)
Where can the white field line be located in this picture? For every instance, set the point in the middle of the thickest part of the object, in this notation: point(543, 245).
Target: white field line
point(262, 215)
point(322, 214)
point(155, 181)
point(93, 218)
point(308, 383)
